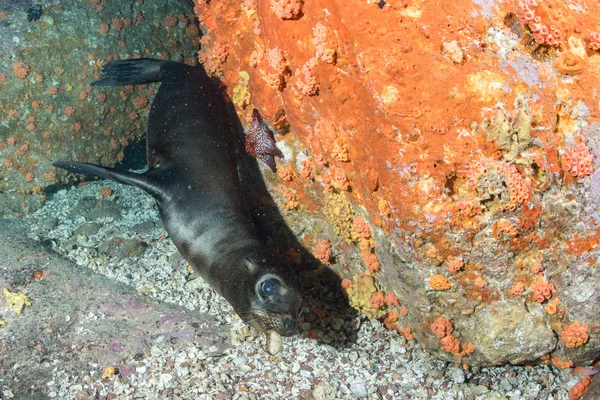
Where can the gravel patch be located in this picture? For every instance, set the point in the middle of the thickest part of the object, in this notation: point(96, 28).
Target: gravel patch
point(338, 357)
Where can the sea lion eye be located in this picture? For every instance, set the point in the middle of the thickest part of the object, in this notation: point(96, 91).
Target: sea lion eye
point(269, 287)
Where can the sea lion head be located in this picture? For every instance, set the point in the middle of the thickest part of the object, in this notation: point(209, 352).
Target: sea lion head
point(268, 296)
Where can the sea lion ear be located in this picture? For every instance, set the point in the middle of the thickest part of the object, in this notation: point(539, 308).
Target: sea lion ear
point(250, 265)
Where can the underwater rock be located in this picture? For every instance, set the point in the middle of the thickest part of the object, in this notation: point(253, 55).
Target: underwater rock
point(48, 111)
point(460, 135)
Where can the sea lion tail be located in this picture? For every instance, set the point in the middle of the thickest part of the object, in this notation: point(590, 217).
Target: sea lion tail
point(134, 71)
point(142, 181)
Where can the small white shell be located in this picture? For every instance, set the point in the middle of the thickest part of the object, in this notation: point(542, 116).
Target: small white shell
point(274, 342)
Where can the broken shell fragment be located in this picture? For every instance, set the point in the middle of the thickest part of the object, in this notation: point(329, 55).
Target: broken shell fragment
point(274, 342)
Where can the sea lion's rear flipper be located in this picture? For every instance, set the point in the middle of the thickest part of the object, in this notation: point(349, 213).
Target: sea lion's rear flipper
point(144, 181)
point(135, 71)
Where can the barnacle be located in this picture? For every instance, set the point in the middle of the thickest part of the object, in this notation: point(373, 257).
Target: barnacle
point(569, 63)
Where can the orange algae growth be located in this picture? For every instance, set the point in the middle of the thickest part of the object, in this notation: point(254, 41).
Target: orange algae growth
point(439, 282)
point(377, 300)
point(580, 388)
point(578, 161)
point(541, 290)
point(340, 151)
point(285, 173)
point(391, 299)
point(20, 69)
point(340, 178)
point(307, 171)
point(105, 192)
point(479, 282)
point(322, 251)
point(370, 261)
point(574, 335)
point(441, 327)
point(291, 201)
point(391, 319)
point(558, 363)
point(286, 9)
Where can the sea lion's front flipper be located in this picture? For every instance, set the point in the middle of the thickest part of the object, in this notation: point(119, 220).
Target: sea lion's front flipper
point(146, 181)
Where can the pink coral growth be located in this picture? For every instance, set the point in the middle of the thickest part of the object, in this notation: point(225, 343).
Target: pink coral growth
point(516, 290)
point(322, 251)
point(541, 290)
point(307, 82)
point(441, 327)
point(377, 300)
point(594, 40)
point(543, 31)
point(578, 161)
point(286, 9)
point(276, 60)
point(500, 176)
point(455, 265)
point(574, 335)
point(362, 228)
point(325, 47)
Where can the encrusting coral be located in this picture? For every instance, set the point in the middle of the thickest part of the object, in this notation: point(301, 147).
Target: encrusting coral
point(574, 335)
point(578, 161)
point(439, 282)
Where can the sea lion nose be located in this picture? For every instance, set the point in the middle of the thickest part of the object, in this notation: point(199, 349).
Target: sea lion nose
point(290, 326)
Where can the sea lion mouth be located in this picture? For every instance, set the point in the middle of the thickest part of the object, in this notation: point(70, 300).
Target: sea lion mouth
point(268, 321)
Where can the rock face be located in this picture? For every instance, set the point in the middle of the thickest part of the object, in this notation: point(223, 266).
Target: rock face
point(48, 57)
point(447, 152)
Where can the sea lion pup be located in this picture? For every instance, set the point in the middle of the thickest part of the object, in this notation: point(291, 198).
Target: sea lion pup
point(192, 175)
